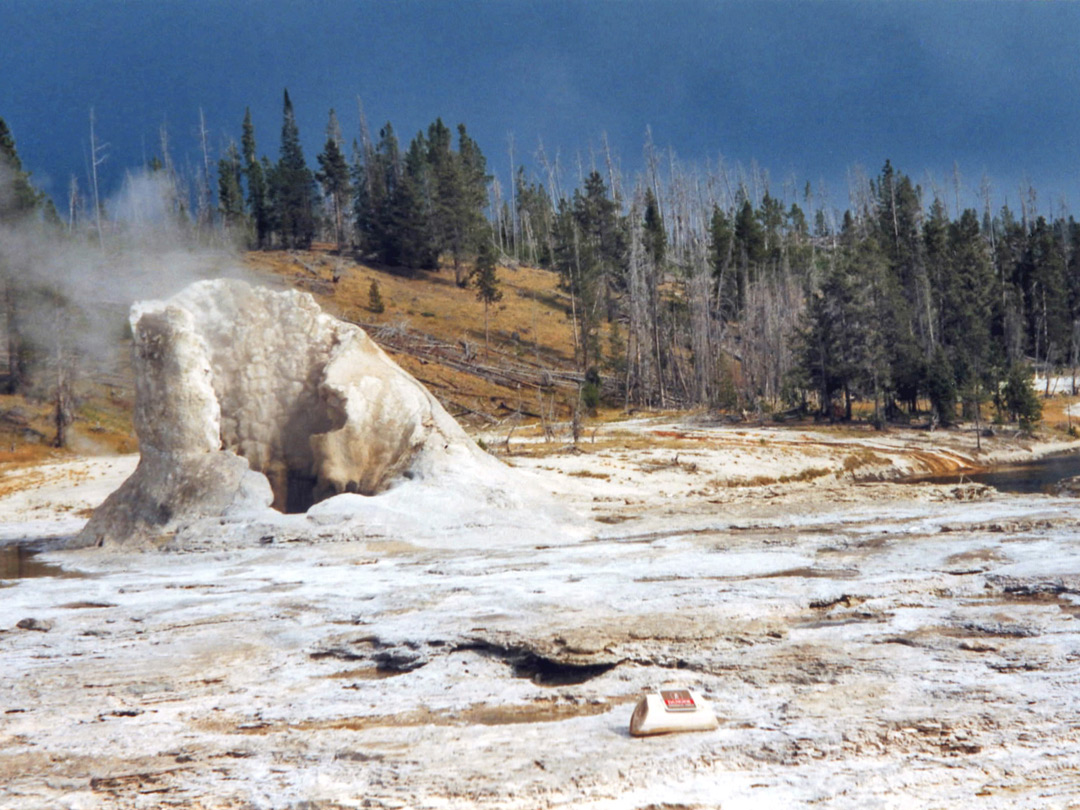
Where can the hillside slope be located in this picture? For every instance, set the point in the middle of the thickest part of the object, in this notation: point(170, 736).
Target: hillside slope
point(432, 328)
point(435, 330)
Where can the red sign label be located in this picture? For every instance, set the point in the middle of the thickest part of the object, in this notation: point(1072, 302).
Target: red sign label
point(678, 700)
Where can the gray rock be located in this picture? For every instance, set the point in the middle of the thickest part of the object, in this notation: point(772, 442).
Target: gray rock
point(40, 625)
point(1069, 487)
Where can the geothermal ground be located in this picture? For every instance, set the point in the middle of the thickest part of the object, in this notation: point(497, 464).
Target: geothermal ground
point(863, 643)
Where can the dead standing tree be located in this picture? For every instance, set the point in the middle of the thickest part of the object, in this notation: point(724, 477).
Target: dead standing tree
point(97, 157)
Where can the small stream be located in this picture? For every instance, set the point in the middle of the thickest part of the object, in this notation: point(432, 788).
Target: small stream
point(1027, 478)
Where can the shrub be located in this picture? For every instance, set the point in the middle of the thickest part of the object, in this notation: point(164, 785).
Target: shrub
point(375, 302)
point(1020, 398)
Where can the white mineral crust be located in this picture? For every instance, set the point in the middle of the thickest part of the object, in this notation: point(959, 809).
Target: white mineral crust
point(252, 403)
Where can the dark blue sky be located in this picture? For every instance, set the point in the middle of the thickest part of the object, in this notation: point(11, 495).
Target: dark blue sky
point(806, 89)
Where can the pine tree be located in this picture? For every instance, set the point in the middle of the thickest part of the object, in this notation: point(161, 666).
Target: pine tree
point(257, 197)
point(377, 180)
point(17, 196)
point(591, 256)
point(1042, 278)
point(230, 191)
point(18, 203)
point(411, 210)
point(333, 174)
point(1019, 398)
point(721, 249)
point(771, 217)
point(654, 234)
point(941, 387)
point(535, 213)
point(840, 341)
point(749, 250)
point(966, 300)
point(470, 224)
point(375, 302)
point(293, 186)
point(445, 190)
point(486, 282)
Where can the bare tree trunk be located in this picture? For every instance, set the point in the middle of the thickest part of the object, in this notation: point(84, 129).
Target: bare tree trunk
point(978, 425)
point(73, 204)
point(97, 157)
point(956, 186)
point(514, 224)
point(698, 299)
point(496, 218)
point(573, 302)
point(613, 177)
point(205, 213)
point(640, 371)
point(16, 366)
point(487, 333)
point(60, 412)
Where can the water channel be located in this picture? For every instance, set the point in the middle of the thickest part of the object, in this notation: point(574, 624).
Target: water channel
point(1028, 478)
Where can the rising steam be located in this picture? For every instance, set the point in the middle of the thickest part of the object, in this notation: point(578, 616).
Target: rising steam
point(68, 291)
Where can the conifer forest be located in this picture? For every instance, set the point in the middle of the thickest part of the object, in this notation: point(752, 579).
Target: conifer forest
point(689, 286)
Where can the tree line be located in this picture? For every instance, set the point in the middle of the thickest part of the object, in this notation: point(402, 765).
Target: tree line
point(687, 287)
point(398, 208)
point(713, 291)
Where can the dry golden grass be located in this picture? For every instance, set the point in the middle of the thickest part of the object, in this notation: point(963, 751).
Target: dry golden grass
point(101, 426)
point(589, 474)
point(530, 326)
point(862, 458)
point(532, 307)
point(806, 475)
point(1055, 413)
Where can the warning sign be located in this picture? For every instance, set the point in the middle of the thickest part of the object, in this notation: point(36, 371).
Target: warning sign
point(678, 700)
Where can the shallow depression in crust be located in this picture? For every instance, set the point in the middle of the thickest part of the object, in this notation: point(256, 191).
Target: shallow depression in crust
point(20, 562)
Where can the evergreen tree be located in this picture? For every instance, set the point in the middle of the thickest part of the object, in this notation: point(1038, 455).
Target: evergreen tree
point(654, 233)
point(721, 249)
point(597, 249)
point(446, 193)
point(1019, 398)
point(966, 301)
point(17, 196)
point(841, 342)
point(377, 186)
point(333, 174)
point(375, 302)
point(796, 223)
point(749, 250)
point(272, 212)
point(293, 186)
point(470, 225)
point(935, 247)
point(257, 191)
point(230, 190)
point(486, 282)
point(411, 221)
point(1042, 278)
point(771, 217)
point(536, 215)
point(19, 202)
point(941, 387)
